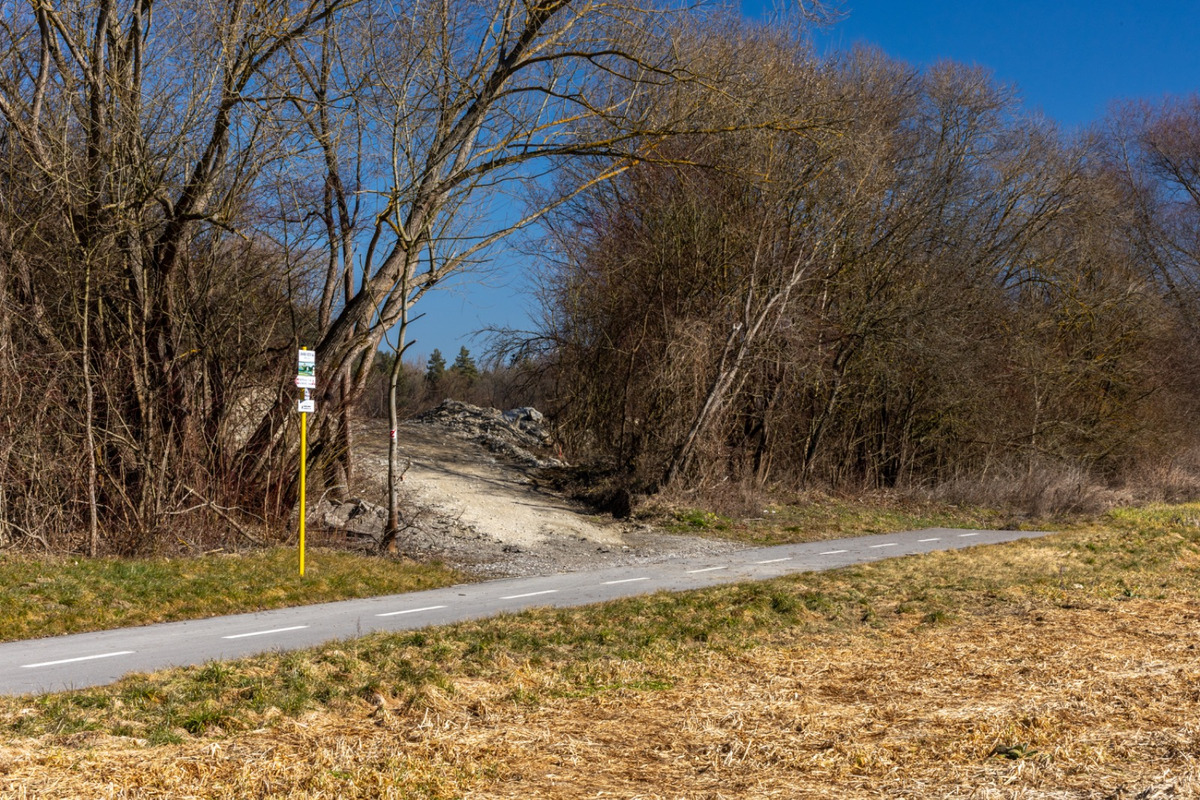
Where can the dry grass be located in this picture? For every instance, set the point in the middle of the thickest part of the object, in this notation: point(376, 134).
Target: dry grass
point(1061, 668)
point(815, 516)
point(1087, 702)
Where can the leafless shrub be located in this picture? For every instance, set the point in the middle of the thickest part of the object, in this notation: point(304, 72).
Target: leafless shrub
point(920, 285)
point(184, 201)
point(1042, 491)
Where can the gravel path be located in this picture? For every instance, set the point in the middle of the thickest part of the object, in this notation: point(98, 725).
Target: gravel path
point(484, 511)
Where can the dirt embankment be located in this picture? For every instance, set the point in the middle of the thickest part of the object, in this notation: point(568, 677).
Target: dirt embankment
point(474, 500)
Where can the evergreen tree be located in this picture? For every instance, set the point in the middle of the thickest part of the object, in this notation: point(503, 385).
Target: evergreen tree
point(464, 365)
point(436, 368)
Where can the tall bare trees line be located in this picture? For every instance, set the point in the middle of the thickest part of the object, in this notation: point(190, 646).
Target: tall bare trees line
point(190, 190)
point(771, 265)
point(926, 284)
point(131, 135)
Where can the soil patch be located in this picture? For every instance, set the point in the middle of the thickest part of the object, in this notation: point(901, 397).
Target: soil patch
point(475, 500)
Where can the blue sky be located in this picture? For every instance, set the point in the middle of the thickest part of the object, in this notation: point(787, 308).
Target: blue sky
point(1070, 59)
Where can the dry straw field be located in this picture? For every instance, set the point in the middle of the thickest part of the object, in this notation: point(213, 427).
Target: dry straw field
point(1061, 668)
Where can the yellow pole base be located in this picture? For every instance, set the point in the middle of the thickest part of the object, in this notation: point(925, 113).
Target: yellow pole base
point(303, 481)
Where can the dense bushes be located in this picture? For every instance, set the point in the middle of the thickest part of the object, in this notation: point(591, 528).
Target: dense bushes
point(921, 286)
point(191, 191)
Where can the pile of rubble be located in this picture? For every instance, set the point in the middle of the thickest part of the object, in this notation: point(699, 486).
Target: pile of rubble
point(515, 433)
point(471, 498)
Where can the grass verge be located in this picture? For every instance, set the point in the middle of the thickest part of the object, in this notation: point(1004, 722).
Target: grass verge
point(819, 516)
point(52, 596)
point(1060, 667)
point(49, 596)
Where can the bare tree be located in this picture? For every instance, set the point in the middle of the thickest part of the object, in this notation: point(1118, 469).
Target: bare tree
point(143, 127)
point(924, 285)
point(470, 104)
point(1156, 151)
point(224, 182)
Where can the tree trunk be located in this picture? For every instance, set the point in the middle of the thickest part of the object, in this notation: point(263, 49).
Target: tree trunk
point(392, 530)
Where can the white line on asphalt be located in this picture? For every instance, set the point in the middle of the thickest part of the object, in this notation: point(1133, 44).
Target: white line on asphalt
point(80, 658)
point(934, 539)
point(706, 569)
point(773, 560)
point(530, 594)
point(889, 544)
point(265, 633)
point(624, 580)
point(410, 611)
point(831, 552)
point(965, 535)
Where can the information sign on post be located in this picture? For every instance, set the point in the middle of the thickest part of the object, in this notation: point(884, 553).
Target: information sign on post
point(306, 369)
point(306, 379)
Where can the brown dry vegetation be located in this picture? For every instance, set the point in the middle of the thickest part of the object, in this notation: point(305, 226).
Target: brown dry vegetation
point(926, 288)
point(1098, 699)
point(1062, 668)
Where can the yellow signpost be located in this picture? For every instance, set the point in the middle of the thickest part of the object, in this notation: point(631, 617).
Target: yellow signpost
point(306, 379)
point(303, 479)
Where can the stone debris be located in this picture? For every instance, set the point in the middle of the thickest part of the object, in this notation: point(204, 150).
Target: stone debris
point(514, 434)
point(357, 517)
point(471, 498)
point(511, 434)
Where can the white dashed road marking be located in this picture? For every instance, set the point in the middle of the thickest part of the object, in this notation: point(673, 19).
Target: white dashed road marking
point(530, 594)
point(74, 660)
point(108, 655)
point(265, 633)
point(410, 611)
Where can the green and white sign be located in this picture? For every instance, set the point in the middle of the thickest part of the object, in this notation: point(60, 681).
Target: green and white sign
point(306, 369)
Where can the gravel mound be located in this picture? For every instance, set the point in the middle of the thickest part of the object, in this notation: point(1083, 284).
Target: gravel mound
point(515, 434)
point(471, 497)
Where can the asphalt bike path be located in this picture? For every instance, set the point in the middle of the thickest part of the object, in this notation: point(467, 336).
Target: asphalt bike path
point(95, 659)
